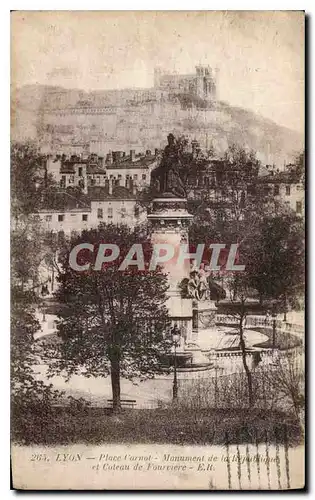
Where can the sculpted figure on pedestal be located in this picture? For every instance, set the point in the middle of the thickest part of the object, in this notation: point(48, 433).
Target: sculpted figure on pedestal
point(166, 178)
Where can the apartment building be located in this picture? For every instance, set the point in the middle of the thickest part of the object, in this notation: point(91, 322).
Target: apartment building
point(132, 171)
point(117, 207)
point(287, 188)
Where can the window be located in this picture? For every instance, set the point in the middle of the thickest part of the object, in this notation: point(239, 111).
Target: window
point(48, 218)
point(144, 177)
point(298, 207)
point(100, 213)
point(84, 217)
point(61, 218)
point(287, 190)
point(110, 212)
point(135, 177)
point(277, 190)
point(80, 171)
point(123, 212)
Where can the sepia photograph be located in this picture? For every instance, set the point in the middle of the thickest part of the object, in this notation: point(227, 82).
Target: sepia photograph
point(157, 250)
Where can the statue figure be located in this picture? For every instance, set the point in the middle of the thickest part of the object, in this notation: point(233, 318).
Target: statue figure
point(166, 178)
point(197, 284)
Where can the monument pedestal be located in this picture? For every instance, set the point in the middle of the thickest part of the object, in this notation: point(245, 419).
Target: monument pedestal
point(192, 310)
point(170, 220)
point(204, 314)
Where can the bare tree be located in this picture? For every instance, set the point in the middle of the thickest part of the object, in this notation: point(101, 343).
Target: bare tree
point(239, 296)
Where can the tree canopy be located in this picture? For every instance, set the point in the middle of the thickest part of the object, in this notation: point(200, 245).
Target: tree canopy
point(113, 322)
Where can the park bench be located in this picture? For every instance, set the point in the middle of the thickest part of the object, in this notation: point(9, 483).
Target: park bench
point(125, 403)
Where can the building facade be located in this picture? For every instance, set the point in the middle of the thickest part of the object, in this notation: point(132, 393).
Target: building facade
point(131, 171)
point(110, 209)
point(286, 188)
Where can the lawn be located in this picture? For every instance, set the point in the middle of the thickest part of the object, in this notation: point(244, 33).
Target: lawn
point(173, 425)
point(284, 340)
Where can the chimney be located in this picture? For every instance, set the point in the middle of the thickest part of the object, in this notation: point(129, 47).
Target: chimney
point(117, 155)
point(195, 146)
point(148, 152)
point(132, 155)
point(156, 152)
point(109, 158)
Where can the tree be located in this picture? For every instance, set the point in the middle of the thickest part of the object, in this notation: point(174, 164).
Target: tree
point(113, 322)
point(230, 208)
point(26, 255)
point(26, 248)
point(273, 255)
point(26, 390)
point(27, 172)
point(275, 261)
point(32, 188)
point(238, 308)
point(286, 379)
point(298, 167)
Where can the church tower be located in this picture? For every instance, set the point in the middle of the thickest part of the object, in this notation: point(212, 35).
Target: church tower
point(205, 83)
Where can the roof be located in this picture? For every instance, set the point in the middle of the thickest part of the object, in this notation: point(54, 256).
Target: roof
point(280, 178)
point(64, 209)
point(68, 166)
point(126, 162)
point(65, 200)
point(101, 193)
point(94, 168)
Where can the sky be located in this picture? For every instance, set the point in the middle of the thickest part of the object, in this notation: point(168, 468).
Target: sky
point(259, 55)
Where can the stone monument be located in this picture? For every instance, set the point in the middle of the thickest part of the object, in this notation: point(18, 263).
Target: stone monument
point(189, 295)
point(170, 220)
point(197, 288)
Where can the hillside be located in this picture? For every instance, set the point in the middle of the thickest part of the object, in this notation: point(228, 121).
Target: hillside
point(145, 125)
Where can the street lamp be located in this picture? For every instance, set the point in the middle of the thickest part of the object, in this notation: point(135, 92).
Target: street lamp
point(175, 331)
point(274, 328)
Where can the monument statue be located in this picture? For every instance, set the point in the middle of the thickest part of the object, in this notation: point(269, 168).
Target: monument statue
point(197, 285)
point(166, 178)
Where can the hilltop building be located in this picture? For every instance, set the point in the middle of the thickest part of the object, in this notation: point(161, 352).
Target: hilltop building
point(201, 84)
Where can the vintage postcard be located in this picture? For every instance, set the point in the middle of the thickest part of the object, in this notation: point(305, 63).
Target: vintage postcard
point(157, 250)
